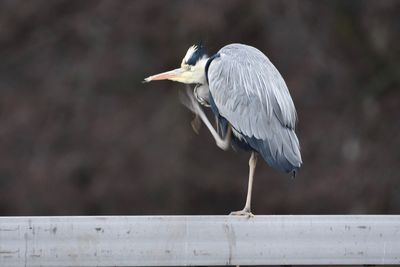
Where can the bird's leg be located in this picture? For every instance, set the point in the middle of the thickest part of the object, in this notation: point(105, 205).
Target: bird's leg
point(191, 103)
point(222, 143)
point(216, 124)
point(246, 211)
point(226, 141)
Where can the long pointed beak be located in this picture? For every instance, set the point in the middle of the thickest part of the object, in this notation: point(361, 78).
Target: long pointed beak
point(169, 75)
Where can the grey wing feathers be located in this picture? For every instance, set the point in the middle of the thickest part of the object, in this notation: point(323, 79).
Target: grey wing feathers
point(252, 95)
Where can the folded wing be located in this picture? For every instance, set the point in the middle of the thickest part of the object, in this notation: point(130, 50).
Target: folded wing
point(252, 96)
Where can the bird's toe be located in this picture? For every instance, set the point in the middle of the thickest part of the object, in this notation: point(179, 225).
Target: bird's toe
point(243, 212)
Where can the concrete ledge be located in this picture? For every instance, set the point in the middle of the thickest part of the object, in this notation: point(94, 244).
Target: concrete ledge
point(199, 240)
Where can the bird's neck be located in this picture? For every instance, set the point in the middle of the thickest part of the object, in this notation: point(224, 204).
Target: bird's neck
point(199, 72)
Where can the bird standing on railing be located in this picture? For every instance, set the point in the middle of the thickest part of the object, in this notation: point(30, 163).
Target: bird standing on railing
point(251, 103)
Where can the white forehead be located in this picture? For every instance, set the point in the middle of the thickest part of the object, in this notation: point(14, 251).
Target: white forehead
point(189, 53)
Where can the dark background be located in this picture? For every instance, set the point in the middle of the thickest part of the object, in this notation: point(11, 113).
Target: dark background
point(80, 134)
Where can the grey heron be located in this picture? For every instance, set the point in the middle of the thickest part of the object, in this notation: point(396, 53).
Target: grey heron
point(251, 103)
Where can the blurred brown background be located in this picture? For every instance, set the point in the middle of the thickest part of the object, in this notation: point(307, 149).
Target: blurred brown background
point(80, 133)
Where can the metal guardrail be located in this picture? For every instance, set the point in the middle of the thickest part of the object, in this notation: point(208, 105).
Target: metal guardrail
point(199, 240)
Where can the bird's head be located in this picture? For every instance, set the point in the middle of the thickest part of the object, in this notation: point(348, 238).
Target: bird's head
point(192, 68)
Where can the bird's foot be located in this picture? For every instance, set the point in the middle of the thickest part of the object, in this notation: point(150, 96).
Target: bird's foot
point(196, 124)
point(243, 212)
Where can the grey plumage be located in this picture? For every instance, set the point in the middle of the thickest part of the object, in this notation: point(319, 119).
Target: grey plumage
point(251, 95)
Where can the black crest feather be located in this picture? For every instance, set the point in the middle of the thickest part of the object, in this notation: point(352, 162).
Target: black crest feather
point(197, 55)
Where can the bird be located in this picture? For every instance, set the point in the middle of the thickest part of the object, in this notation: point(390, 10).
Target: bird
point(251, 104)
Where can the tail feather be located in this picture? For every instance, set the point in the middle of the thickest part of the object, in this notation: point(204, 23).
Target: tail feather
point(281, 152)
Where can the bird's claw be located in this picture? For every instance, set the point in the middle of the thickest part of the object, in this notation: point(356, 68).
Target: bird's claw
point(196, 124)
point(243, 212)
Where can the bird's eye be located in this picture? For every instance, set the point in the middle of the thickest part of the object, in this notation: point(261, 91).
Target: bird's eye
point(191, 68)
